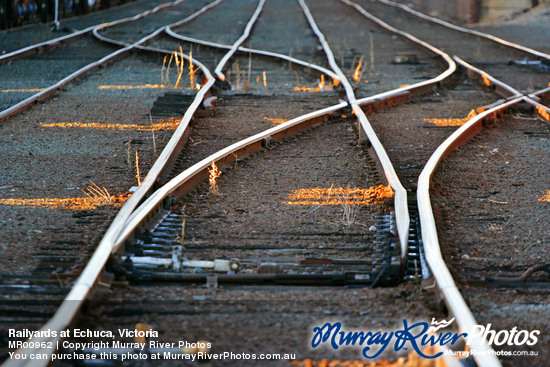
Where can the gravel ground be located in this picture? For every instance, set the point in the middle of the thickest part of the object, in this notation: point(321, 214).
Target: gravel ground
point(224, 23)
point(296, 40)
point(244, 114)
point(529, 28)
point(253, 206)
point(258, 320)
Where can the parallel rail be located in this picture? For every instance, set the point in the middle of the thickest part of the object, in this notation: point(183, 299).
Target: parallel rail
point(47, 92)
point(501, 41)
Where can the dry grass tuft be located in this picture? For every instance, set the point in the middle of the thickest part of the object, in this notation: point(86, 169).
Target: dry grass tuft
point(215, 173)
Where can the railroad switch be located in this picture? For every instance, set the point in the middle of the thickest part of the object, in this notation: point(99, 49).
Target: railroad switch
point(387, 242)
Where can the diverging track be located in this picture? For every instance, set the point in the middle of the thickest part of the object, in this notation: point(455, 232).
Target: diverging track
point(170, 233)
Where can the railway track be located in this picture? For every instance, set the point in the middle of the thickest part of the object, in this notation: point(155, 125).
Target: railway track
point(155, 231)
point(515, 65)
point(20, 37)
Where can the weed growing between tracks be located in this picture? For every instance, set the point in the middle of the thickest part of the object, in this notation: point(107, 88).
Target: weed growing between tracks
point(214, 175)
point(138, 175)
point(180, 62)
point(349, 211)
point(349, 198)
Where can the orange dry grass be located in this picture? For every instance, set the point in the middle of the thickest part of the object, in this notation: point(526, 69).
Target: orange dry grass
point(307, 89)
point(170, 124)
point(23, 90)
point(192, 70)
point(321, 87)
point(546, 197)
point(95, 197)
point(340, 196)
point(145, 86)
point(276, 121)
point(214, 174)
point(357, 73)
point(86, 203)
point(543, 112)
point(452, 122)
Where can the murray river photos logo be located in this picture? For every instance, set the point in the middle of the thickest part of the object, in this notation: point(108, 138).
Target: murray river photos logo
point(418, 336)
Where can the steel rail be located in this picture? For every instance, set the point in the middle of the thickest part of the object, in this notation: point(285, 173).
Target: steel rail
point(244, 36)
point(34, 48)
point(111, 57)
point(323, 70)
point(541, 95)
point(500, 88)
point(13, 110)
point(400, 198)
point(465, 30)
point(19, 107)
point(416, 88)
point(443, 278)
point(90, 276)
